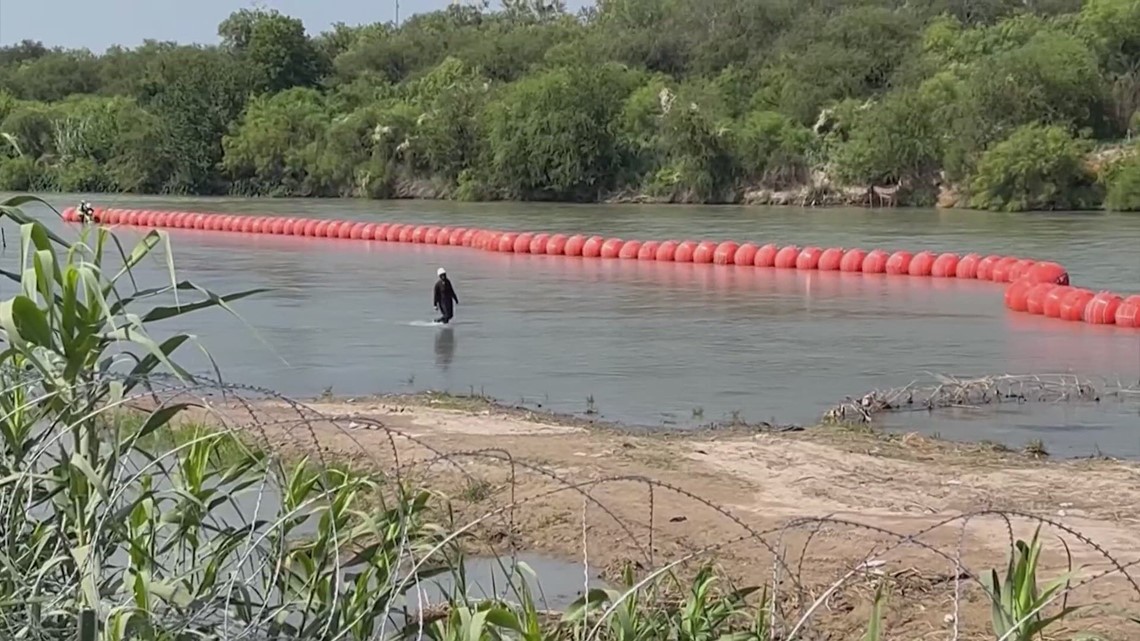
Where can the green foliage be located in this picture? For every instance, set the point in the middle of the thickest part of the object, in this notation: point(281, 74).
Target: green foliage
point(1037, 167)
point(531, 102)
point(1124, 186)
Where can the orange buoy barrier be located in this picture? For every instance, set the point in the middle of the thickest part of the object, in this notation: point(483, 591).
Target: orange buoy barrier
point(853, 261)
point(766, 256)
point(611, 247)
point(745, 255)
point(787, 256)
point(685, 251)
point(808, 258)
point(1128, 313)
point(1034, 286)
point(648, 250)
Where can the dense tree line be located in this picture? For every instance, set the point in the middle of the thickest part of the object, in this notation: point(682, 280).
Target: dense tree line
point(996, 104)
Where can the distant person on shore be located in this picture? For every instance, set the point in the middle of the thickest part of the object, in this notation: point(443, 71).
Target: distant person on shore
point(86, 212)
point(445, 298)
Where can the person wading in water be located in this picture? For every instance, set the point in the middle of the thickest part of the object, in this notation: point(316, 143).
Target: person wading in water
point(444, 298)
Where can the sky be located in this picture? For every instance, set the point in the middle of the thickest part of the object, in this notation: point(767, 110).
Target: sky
point(98, 24)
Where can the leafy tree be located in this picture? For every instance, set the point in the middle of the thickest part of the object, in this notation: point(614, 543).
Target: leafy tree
point(553, 135)
point(1037, 167)
point(280, 54)
point(196, 94)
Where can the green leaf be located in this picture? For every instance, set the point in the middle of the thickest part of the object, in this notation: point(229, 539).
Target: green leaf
point(30, 321)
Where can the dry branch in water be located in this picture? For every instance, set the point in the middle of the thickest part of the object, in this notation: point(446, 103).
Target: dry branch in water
point(948, 391)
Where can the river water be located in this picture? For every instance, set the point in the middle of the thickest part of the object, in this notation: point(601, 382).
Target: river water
point(659, 343)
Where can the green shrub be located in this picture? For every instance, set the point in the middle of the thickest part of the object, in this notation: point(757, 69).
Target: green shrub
point(1124, 186)
point(1037, 167)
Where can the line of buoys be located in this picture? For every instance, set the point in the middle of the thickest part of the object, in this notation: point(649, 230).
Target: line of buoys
point(1035, 287)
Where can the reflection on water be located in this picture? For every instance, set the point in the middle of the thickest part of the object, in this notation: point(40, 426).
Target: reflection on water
point(444, 347)
point(555, 586)
point(649, 340)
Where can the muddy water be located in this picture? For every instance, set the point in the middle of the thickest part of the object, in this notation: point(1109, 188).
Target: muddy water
point(662, 344)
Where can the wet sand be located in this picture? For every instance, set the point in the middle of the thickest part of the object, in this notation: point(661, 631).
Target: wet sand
point(573, 489)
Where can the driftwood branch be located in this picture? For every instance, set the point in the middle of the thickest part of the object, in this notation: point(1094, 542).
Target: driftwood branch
point(947, 391)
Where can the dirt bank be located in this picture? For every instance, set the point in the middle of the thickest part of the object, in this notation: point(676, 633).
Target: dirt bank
point(656, 499)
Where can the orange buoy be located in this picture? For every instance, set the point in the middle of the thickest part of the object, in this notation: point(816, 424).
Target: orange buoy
point(876, 262)
point(377, 231)
point(538, 243)
point(922, 264)
point(830, 260)
point(1128, 312)
point(419, 233)
point(1017, 295)
point(443, 236)
point(507, 242)
point(986, 267)
point(392, 234)
point(257, 225)
point(766, 256)
point(852, 260)
point(431, 236)
point(1048, 272)
point(559, 245)
point(808, 258)
point(592, 248)
point(725, 253)
point(344, 232)
point(703, 254)
point(899, 262)
point(611, 247)
point(574, 245)
point(945, 266)
point(630, 249)
point(666, 251)
point(1035, 298)
point(333, 230)
point(455, 236)
point(648, 250)
point(1052, 306)
point(1074, 303)
point(467, 238)
point(281, 226)
point(1101, 309)
point(406, 233)
point(1003, 269)
point(1019, 268)
point(489, 240)
point(968, 266)
point(745, 255)
point(322, 230)
point(522, 243)
point(356, 231)
point(685, 251)
point(787, 256)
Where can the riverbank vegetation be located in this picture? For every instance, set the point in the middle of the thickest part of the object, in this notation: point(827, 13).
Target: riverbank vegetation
point(985, 104)
point(157, 529)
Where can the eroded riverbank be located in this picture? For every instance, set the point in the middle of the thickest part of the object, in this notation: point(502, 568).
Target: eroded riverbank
point(827, 499)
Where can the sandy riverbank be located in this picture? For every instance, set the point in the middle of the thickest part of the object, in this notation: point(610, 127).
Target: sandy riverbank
point(654, 499)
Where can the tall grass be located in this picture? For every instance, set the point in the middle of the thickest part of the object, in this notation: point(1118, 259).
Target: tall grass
point(115, 527)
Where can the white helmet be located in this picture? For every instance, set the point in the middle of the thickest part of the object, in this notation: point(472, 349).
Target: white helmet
point(440, 272)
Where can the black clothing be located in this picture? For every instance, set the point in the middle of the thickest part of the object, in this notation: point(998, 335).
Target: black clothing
point(444, 299)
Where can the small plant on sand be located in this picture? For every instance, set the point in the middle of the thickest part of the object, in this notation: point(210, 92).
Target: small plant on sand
point(1018, 602)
